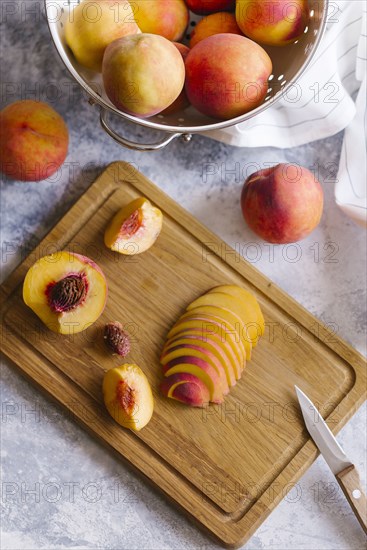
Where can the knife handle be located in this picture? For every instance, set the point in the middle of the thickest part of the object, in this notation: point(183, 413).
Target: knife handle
point(350, 483)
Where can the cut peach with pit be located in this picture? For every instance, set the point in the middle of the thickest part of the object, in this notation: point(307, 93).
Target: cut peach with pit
point(134, 228)
point(128, 396)
point(196, 348)
point(67, 291)
point(212, 346)
point(199, 368)
point(243, 310)
point(186, 388)
point(245, 297)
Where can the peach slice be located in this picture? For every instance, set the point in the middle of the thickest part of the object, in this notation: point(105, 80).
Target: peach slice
point(233, 322)
point(244, 311)
point(199, 368)
point(211, 326)
point(128, 396)
point(196, 348)
point(246, 297)
point(186, 388)
point(134, 228)
point(67, 291)
point(213, 346)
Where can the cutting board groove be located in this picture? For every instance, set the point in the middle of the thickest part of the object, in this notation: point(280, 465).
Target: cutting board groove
point(226, 466)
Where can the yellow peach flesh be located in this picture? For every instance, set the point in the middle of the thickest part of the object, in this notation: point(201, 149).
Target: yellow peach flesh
point(243, 310)
point(53, 268)
point(128, 396)
point(134, 228)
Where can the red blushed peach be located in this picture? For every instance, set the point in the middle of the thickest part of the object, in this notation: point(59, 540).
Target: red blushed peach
point(93, 24)
point(33, 140)
point(282, 204)
point(203, 7)
point(274, 22)
point(134, 228)
point(215, 23)
point(143, 74)
point(227, 75)
point(181, 102)
point(169, 18)
point(67, 291)
point(186, 388)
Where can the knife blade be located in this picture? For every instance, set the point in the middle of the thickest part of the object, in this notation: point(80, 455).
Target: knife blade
point(343, 468)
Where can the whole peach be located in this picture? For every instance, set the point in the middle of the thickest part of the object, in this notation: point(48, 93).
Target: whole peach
point(143, 74)
point(221, 22)
point(203, 7)
point(93, 24)
point(227, 75)
point(169, 18)
point(282, 204)
point(274, 22)
point(33, 140)
point(181, 102)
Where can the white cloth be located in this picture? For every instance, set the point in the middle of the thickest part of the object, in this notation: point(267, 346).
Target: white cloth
point(327, 106)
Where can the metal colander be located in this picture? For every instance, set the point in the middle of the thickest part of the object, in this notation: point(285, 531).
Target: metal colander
point(289, 63)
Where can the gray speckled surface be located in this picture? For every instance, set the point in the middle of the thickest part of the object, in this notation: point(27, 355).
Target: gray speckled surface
point(84, 497)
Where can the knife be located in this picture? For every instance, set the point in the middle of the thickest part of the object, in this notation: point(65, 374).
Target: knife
point(343, 469)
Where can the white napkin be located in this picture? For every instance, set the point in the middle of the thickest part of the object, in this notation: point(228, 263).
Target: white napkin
point(339, 71)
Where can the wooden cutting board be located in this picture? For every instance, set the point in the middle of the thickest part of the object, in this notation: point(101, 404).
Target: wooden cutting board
point(228, 465)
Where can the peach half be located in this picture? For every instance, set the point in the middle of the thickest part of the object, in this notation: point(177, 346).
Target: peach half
point(186, 388)
point(134, 228)
point(128, 396)
point(67, 291)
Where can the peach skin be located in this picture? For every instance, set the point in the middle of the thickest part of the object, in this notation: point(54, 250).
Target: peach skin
point(93, 24)
point(227, 75)
point(169, 18)
point(274, 22)
point(33, 140)
point(143, 74)
point(282, 204)
point(215, 23)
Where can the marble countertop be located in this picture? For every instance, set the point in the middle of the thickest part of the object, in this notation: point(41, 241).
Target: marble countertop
point(73, 478)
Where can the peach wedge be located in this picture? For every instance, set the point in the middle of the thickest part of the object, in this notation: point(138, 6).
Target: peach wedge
point(128, 396)
point(186, 388)
point(67, 291)
point(134, 228)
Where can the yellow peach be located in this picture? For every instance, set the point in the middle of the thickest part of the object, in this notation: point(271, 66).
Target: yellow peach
point(93, 24)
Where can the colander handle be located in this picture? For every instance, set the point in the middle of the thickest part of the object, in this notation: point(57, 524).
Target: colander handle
point(132, 144)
